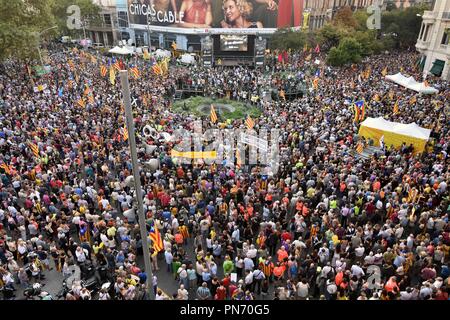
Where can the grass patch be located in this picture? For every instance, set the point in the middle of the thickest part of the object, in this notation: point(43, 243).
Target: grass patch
point(191, 106)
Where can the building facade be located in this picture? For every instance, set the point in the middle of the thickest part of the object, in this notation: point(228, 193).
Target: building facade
point(105, 31)
point(433, 40)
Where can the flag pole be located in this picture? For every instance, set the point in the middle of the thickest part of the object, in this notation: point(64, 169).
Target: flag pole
point(137, 180)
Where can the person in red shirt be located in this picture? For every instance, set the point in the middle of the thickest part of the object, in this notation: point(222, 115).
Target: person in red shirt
point(286, 236)
point(221, 292)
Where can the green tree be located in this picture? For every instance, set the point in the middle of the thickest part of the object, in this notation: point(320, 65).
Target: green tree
point(348, 51)
point(286, 39)
point(336, 57)
point(21, 22)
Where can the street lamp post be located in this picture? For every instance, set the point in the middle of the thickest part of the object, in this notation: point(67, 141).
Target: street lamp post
point(137, 181)
point(149, 35)
point(39, 44)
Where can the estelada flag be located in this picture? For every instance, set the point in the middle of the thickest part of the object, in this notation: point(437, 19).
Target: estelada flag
point(412, 100)
point(117, 64)
point(384, 72)
point(155, 236)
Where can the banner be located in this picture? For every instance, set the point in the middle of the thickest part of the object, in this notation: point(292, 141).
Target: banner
point(206, 14)
point(194, 154)
point(305, 24)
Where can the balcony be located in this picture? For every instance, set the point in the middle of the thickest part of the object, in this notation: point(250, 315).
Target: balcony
point(422, 45)
point(446, 16)
point(429, 16)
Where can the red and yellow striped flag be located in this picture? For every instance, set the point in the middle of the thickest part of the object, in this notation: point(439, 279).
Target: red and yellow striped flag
point(157, 69)
point(34, 148)
point(213, 115)
point(103, 70)
point(249, 122)
point(135, 72)
point(156, 239)
point(81, 102)
point(117, 65)
point(91, 99)
point(412, 100)
point(238, 159)
point(6, 168)
point(395, 111)
point(359, 148)
point(125, 133)
point(87, 90)
point(384, 72)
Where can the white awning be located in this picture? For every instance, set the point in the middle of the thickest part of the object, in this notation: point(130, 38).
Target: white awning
point(412, 84)
point(120, 50)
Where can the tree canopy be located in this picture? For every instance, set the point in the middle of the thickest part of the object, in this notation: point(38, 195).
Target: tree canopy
point(22, 23)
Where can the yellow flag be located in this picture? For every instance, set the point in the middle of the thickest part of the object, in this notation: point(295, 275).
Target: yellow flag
point(395, 111)
point(384, 72)
point(112, 75)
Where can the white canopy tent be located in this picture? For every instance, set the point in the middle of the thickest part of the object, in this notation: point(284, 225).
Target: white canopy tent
point(411, 83)
point(120, 50)
point(162, 54)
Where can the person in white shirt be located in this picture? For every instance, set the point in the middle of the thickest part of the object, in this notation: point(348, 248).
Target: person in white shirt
point(159, 295)
point(357, 271)
point(182, 293)
point(81, 254)
point(303, 289)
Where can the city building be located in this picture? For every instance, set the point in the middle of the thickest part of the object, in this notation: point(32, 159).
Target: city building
point(433, 40)
point(105, 31)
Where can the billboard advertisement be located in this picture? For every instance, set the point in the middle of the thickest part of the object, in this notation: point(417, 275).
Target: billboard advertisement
point(204, 14)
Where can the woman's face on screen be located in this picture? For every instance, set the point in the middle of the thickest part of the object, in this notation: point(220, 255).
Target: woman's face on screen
point(231, 11)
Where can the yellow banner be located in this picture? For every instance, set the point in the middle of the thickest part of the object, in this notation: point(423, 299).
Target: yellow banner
point(194, 154)
point(306, 20)
point(391, 138)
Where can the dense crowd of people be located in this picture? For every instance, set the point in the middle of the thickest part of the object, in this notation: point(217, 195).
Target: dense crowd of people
point(328, 225)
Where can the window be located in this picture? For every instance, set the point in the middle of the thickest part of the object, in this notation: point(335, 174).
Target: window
point(123, 19)
point(107, 19)
point(437, 68)
point(445, 37)
point(425, 35)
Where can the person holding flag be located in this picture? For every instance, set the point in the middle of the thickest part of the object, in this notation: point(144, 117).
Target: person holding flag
point(214, 117)
point(249, 123)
